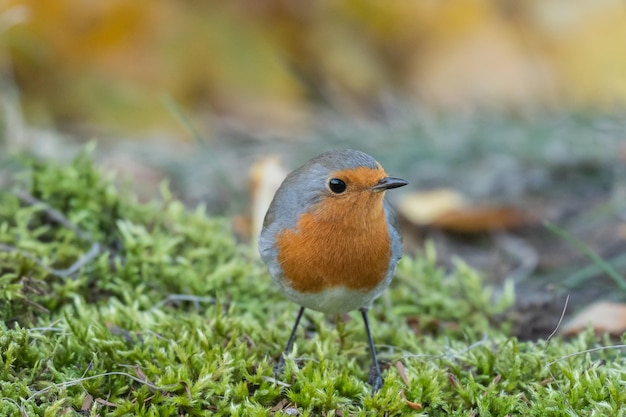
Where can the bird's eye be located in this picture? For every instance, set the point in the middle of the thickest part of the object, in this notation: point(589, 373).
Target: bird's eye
point(336, 185)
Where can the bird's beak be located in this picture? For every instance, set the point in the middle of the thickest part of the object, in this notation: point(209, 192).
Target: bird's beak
point(388, 183)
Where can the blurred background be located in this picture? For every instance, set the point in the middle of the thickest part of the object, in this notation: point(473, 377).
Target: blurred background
point(503, 114)
point(108, 66)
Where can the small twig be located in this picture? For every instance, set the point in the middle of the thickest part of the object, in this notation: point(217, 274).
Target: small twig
point(275, 381)
point(450, 354)
point(82, 261)
point(195, 299)
point(582, 352)
point(545, 354)
point(46, 329)
point(53, 214)
point(304, 359)
point(16, 404)
point(558, 325)
point(57, 217)
point(61, 273)
point(80, 380)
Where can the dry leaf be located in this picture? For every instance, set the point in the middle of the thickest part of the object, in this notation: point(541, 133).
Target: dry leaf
point(603, 316)
point(411, 404)
point(140, 373)
point(453, 380)
point(187, 390)
point(87, 403)
point(480, 219)
point(279, 406)
point(422, 208)
point(266, 175)
point(448, 210)
point(105, 402)
point(402, 371)
point(414, 406)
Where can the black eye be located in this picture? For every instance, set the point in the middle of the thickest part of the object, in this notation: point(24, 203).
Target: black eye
point(336, 185)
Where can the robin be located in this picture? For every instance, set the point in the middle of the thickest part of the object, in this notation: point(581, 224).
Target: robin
point(331, 240)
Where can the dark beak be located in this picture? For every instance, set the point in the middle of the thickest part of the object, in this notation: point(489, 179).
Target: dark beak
point(388, 183)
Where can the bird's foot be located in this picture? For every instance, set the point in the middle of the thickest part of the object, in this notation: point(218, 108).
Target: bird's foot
point(279, 365)
point(375, 378)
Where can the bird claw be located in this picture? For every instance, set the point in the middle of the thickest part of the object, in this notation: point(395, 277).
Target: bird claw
point(375, 379)
point(278, 366)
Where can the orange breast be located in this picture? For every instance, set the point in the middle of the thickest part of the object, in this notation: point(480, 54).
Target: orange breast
point(340, 243)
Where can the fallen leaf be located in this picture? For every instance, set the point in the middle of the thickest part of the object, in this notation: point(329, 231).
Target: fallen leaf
point(402, 371)
point(411, 404)
point(422, 208)
point(546, 381)
point(496, 379)
point(448, 210)
point(481, 219)
point(187, 390)
point(140, 373)
point(105, 402)
point(453, 380)
point(266, 175)
point(602, 316)
point(414, 406)
point(87, 403)
point(281, 404)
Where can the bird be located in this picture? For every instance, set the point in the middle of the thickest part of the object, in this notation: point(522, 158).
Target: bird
point(331, 240)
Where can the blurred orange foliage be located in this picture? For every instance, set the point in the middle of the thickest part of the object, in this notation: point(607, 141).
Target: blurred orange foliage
point(267, 61)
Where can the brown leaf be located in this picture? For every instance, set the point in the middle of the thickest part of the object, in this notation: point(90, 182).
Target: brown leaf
point(402, 371)
point(453, 380)
point(413, 405)
point(140, 373)
point(87, 403)
point(481, 219)
point(422, 208)
point(105, 402)
point(603, 316)
point(496, 379)
point(187, 389)
point(266, 175)
point(281, 404)
point(546, 381)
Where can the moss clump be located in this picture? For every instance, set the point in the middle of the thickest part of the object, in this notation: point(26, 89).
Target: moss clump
point(111, 307)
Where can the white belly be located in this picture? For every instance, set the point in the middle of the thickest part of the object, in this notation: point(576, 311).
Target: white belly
point(333, 301)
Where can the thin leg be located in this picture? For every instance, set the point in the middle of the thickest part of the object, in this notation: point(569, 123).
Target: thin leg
point(375, 378)
point(281, 361)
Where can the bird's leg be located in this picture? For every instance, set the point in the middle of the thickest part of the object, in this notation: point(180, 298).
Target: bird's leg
point(375, 377)
point(281, 361)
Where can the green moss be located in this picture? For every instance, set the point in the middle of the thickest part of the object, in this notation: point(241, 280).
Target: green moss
point(118, 308)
